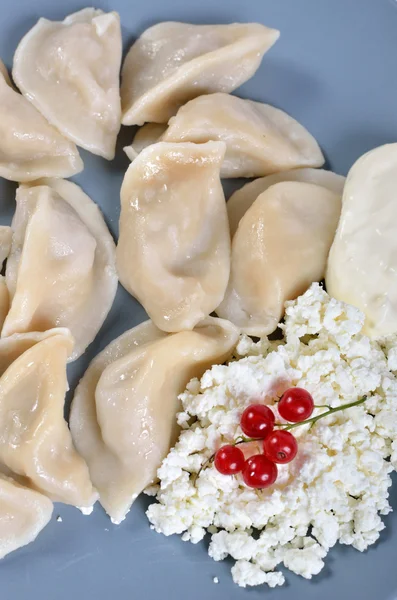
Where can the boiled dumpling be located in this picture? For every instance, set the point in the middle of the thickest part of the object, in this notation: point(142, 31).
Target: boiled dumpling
point(242, 199)
point(5, 246)
point(70, 71)
point(280, 247)
point(61, 269)
point(172, 63)
point(123, 416)
point(12, 348)
point(23, 514)
point(35, 442)
point(104, 466)
point(362, 266)
point(173, 253)
point(29, 146)
point(260, 139)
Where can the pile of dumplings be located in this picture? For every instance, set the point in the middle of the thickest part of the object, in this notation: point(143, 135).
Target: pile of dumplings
point(182, 251)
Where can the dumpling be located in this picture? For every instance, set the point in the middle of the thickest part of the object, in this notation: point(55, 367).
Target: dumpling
point(172, 63)
point(105, 468)
point(70, 71)
point(280, 247)
point(5, 246)
point(242, 199)
point(123, 416)
point(29, 146)
point(362, 266)
point(173, 253)
point(35, 442)
point(12, 348)
point(260, 139)
point(23, 514)
point(61, 270)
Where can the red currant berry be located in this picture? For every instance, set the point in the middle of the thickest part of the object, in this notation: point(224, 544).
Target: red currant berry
point(280, 447)
point(259, 472)
point(229, 460)
point(296, 405)
point(257, 421)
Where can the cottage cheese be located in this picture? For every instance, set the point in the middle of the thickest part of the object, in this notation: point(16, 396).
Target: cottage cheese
point(337, 487)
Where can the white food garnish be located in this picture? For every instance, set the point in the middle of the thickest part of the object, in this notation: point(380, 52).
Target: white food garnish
point(86, 510)
point(337, 487)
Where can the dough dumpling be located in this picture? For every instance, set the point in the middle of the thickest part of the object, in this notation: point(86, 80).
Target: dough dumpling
point(172, 63)
point(123, 416)
point(362, 266)
point(35, 442)
point(173, 253)
point(280, 247)
point(260, 139)
point(30, 147)
point(242, 199)
point(23, 514)
point(70, 71)
point(61, 270)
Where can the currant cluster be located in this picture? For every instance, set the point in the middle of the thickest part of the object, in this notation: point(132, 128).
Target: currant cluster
point(279, 445)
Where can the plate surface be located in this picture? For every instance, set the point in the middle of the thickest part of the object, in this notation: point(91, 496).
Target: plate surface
point(334, 69)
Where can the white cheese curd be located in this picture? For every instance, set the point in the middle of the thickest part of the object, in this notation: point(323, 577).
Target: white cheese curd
point(86, 510)
point(336, 489)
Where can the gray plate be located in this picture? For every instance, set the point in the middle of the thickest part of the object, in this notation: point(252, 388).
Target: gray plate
point(334, 69)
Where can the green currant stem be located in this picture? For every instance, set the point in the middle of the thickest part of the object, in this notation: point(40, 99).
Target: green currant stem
point(245, 440)
point(286, 427)
point(312, 420)
point(331, 411)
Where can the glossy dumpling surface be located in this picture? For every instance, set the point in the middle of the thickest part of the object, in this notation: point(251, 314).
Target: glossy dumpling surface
point(260, 139)
point(30, 147)
point(70, 71)
point(61, 269)
point(123, 417)
point(280, 247)
point(362, 262)
point(172, 63)
point(23, 514)
point(173, 253)
point(242, 199)
point(15, 345)
point(35, 442)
